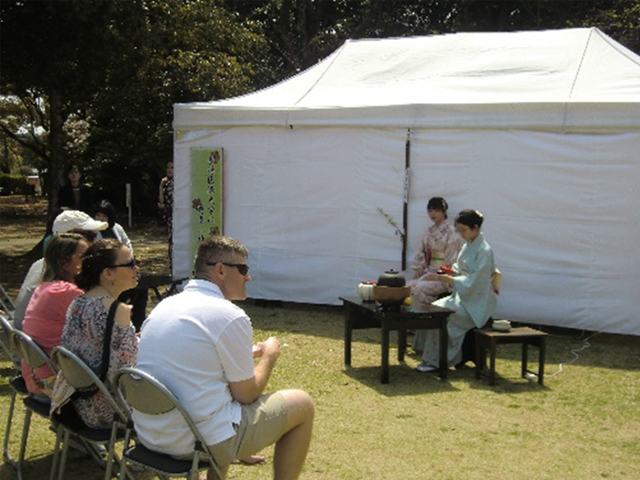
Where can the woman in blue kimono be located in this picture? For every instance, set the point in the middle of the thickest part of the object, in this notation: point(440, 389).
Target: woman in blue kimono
point(474, 294)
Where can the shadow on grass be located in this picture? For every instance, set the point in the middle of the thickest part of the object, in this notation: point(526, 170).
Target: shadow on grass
point(403, 380)
point(564, 346)
point(78, 466)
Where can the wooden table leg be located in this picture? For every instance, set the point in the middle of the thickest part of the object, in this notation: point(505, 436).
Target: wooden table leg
point(481, 356)
point(541, 359)
point(348, 331)
point(402, 344)
point(384, 376)
point(525, 358)
point(492, 361)
point(443, 346)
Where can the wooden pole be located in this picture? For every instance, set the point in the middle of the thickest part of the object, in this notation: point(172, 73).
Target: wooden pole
point(405, 210)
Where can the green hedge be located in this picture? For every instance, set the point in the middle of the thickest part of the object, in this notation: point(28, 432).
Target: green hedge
point(12, 184)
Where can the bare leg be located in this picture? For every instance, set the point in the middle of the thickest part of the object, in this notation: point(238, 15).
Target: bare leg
point(291, 450)
point(251, 460)
point(211, 475)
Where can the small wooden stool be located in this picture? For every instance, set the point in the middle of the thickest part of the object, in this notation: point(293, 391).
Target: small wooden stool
point(489, 338)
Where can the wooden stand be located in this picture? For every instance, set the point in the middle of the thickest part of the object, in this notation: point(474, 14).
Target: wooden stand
point(488, 338)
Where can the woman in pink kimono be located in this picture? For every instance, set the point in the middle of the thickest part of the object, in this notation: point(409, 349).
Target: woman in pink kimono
point(473, 299)
point(439, 246)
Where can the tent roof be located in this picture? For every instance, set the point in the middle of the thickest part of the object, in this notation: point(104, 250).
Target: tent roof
point(574, 79)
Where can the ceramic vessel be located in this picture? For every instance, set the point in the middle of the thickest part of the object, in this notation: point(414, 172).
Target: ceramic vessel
point(365, 290)
point(501, 325)
point(390, 296)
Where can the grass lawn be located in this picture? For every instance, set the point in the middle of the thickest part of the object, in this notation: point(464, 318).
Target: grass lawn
point(583, 424)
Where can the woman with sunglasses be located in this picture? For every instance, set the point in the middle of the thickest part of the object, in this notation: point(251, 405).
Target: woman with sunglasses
point(108, 269)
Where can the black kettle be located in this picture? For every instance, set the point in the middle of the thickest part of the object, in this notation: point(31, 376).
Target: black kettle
point(391, 278)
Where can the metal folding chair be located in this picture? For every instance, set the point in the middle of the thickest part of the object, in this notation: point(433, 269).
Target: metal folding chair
point(6, 303)
point(16, 382)
point(86, 382)
point(35, 358)
point(144, 393)
point(6, 327)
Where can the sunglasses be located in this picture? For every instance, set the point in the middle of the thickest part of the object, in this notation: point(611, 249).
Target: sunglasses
point(131, 264)
point(243, 268)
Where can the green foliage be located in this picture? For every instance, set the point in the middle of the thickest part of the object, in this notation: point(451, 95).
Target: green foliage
point(94, 83)
point(181, 52)
point(11, 184)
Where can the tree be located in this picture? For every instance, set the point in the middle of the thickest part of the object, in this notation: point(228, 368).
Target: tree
point(301, 32)
point(54, 58)
point(176, 52)
point(117, 68)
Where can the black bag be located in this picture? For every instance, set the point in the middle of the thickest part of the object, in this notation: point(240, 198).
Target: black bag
point(106, 353)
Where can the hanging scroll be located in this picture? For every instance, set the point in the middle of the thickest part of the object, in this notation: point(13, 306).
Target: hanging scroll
point(206, 195)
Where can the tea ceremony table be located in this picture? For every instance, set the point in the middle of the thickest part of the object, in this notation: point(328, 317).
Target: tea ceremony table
point(359, 315)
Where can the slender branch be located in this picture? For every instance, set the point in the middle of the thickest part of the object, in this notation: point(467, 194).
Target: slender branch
point(393, 223)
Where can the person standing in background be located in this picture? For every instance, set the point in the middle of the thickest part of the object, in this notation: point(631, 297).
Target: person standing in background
point(165, 206)
point(74, 195)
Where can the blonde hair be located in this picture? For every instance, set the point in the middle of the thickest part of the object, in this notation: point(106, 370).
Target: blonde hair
point(58, 253)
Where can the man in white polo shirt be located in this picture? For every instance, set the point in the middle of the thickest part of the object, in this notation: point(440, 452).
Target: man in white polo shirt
point(200, 345)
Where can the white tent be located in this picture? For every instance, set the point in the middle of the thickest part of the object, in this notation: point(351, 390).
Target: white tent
point(540, 131)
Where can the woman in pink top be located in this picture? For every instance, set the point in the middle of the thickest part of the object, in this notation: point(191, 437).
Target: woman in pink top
point(47, 311)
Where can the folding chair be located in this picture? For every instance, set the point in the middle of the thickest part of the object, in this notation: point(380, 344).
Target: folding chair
point(6, 303)
point(35, 358)
point(85, 381)
point(6, 328)
point(141, 391)
point(16, 382)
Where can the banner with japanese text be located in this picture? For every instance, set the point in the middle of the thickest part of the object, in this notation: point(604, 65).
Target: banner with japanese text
point(206, 195)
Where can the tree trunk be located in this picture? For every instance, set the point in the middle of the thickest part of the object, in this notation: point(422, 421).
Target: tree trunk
point(56, 147)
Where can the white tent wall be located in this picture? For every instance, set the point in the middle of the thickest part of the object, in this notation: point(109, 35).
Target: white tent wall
point(560, 212)
point(540, 131)
point(305, 203)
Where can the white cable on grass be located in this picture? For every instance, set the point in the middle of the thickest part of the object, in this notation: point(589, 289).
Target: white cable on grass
point(574, 352)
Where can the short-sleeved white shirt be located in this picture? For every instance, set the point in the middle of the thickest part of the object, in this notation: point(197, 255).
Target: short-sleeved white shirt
point(29, 285)
point(195, 343)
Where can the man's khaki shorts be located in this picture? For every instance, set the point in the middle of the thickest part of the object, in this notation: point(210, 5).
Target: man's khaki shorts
point(263, 423)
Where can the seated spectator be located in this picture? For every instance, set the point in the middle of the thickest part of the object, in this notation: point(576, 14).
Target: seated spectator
point(74, 195)
point(68, 221)
point(137, 297)
point(104, 211)
point(46, 314)
point(48, 233)
point(108, 269)
point(213, 374)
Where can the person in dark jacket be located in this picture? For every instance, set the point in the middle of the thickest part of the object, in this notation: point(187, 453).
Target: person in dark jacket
point(74, 195)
